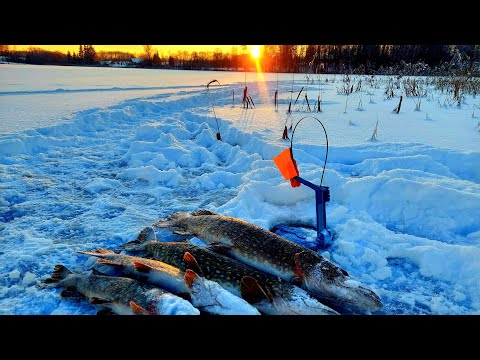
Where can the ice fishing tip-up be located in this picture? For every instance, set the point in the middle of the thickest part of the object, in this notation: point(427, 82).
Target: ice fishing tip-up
point(288, 168)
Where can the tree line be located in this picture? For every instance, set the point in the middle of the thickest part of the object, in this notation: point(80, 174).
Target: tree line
point(360, 59)
point(35, 55)
point(371, 59)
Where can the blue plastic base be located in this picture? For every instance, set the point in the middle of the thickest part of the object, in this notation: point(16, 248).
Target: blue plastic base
point(302, 235)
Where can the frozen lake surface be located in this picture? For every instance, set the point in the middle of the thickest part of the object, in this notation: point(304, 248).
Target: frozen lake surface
point(90, 156)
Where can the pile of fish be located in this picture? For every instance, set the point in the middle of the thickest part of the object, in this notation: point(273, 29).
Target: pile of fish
point(244, 269)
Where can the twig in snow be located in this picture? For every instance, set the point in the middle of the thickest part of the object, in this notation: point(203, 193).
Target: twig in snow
point(374, 135)
point(397, 109)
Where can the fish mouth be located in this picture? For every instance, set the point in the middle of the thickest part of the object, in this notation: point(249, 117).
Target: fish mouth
point(344, 298)
point(301, 303)
point(363, 299)
point(172, 220)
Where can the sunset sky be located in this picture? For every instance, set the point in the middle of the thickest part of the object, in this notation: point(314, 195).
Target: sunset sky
point(136, 49)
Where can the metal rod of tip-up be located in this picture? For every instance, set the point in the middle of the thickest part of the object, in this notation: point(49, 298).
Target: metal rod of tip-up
point(219, 137)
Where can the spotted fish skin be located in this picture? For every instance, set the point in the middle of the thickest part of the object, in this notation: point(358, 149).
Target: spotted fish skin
point(158, 273)
point(118, 293)
point(205, 295)
point(282, 298)
point(269, 252)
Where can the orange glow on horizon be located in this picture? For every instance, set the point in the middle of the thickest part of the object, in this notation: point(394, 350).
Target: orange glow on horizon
point(138, 49)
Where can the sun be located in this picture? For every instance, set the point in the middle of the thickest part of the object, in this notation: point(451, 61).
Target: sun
point(255, 51)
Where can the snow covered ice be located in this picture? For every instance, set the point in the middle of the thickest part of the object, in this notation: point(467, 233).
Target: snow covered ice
point(404, 209)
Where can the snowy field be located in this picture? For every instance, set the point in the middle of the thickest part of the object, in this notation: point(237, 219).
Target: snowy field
point(90, 156)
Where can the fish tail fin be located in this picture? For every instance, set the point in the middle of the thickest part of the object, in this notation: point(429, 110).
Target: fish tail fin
point(59, 273)
point(172, 220)
point(203, 296)
point(138, 310)
point(192, 277)
point(146, 235)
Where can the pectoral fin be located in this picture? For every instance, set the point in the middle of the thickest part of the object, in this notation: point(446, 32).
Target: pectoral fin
point(251, 290)
point(142, 267)
point(219, 247)
point(99, 301)
point(181, 231)
point(71, 293)
point(298, 268)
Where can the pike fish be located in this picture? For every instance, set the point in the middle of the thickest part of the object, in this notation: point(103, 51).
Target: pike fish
point(269, 294)
point(204, 294)
point(123, 296)
point(266, 251)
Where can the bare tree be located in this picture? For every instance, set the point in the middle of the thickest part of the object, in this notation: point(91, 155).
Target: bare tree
point(147, 52)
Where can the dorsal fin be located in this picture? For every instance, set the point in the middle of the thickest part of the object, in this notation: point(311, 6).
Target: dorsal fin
point(138, 310)
point(251, 290)
point(203, 212)
point(192, 263)
point(220, 248)
point(142, 267)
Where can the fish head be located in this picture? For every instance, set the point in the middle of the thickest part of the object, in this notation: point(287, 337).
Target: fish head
point(332, 285)
point(186, 224)
point(180, 223)
point(172, 220)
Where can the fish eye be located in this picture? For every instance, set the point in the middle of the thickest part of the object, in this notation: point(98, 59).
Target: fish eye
point(296, 281)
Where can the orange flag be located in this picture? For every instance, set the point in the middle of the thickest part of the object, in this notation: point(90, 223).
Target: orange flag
point(285, 164)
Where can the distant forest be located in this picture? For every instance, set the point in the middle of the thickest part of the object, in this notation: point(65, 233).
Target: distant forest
point(356, 59)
